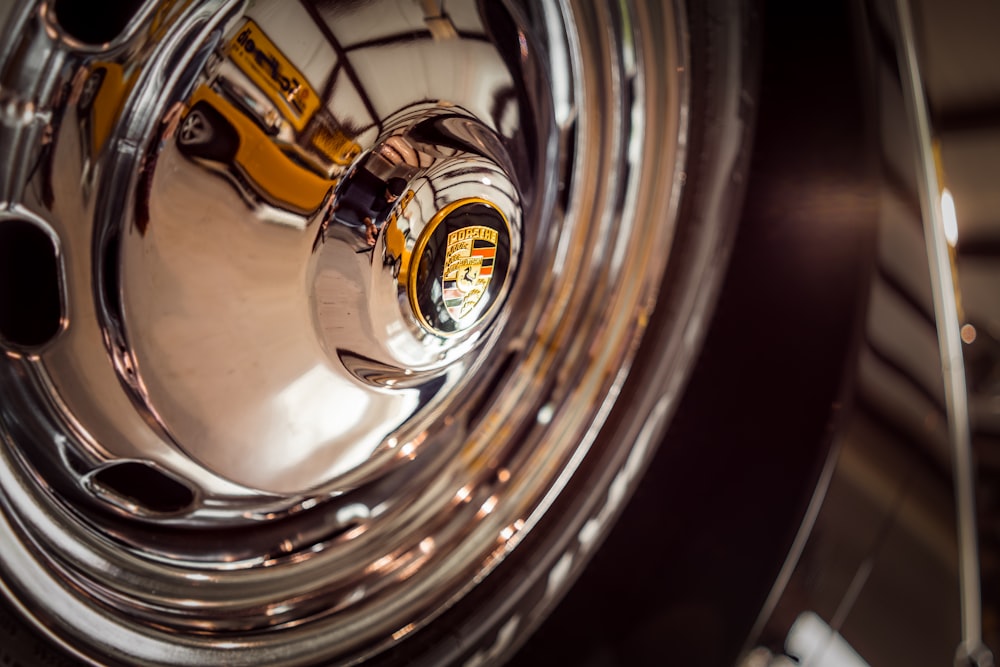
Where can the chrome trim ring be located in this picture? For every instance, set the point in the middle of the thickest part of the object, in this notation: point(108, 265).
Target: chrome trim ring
point(251, 439)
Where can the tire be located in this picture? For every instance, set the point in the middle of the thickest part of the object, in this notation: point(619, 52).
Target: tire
point(611, 206)
point(195, 129)
point(204, 133)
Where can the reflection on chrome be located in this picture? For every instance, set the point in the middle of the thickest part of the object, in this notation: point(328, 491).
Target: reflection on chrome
point(254, 117)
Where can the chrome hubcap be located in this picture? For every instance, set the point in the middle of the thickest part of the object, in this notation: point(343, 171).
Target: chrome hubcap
point(345, 294)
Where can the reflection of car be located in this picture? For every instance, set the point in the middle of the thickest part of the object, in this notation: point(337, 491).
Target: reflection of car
point(267, 131)
point(186, 474)
point(267, 170)
point(99, 105)
point(91, 85)
point(108, 84)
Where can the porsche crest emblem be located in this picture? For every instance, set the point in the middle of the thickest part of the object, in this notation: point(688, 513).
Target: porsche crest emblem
point(468, 268)
point(461, 267)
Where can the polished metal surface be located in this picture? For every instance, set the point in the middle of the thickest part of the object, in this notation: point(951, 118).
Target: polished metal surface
point(346, 292)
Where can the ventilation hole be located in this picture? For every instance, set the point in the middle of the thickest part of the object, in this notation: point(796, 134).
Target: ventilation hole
point(30, 299)
point(143, 485)
point(81, 19)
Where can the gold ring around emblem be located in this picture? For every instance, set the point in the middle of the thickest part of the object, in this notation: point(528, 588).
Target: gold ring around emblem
point(418, 254)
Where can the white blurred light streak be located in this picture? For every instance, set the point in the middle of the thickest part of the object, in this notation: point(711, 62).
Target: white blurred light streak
point(948, 218)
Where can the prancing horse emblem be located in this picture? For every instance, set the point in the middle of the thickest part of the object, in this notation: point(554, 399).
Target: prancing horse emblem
point(468, 268)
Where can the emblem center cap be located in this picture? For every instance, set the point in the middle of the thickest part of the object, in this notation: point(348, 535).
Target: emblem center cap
point(461, 268)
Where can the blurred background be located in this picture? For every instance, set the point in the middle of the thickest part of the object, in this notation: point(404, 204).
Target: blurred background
point(802, 508)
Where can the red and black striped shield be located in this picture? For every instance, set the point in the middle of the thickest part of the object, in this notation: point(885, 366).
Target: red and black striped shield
point(469, 258)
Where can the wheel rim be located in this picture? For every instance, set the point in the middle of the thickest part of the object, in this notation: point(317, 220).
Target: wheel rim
point(192, 496)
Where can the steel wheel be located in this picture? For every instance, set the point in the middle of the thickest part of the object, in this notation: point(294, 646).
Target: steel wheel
point(294, 410)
